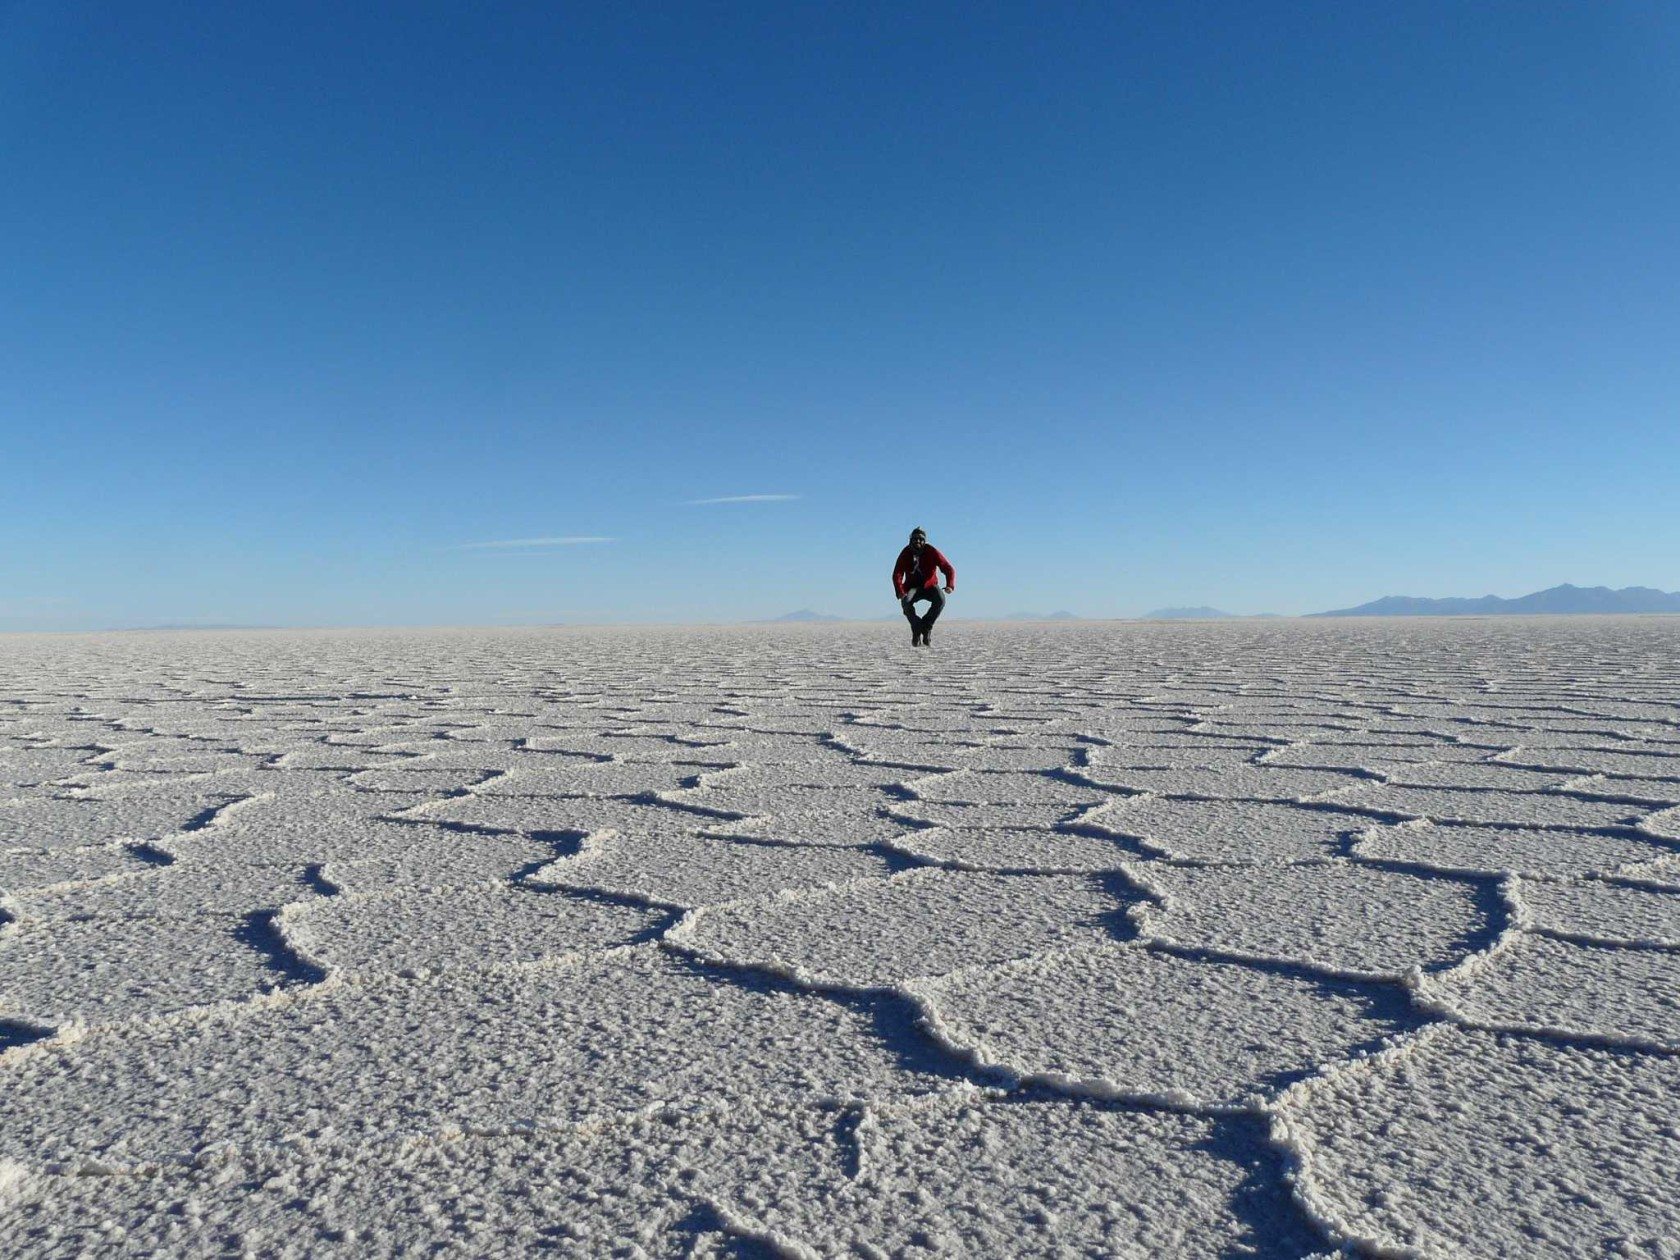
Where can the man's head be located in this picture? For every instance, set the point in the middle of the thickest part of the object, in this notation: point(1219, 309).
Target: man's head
point(918, 538)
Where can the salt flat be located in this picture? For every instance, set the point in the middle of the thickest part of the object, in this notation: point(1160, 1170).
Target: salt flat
point(1265, 939)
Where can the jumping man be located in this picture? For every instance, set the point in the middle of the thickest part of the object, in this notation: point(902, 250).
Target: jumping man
point(916, 577)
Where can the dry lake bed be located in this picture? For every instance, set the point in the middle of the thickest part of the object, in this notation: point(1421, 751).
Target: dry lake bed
point(1279, 939)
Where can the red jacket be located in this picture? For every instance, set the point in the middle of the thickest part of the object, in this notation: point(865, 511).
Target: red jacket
point(932, 564)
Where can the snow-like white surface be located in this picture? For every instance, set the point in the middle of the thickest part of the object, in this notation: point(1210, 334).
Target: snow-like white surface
point(1340, 917)
point(1137, 940)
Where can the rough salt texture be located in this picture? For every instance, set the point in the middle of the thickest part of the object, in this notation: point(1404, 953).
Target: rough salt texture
point(1627, 996)
point(1612, 913)
point(920, 923)
point(690, 870)
point(1233, 831)
point(1482, 1144)
point(1337, 916)
point(1132, 939)
point(1511, 850)
point(1124, 1021)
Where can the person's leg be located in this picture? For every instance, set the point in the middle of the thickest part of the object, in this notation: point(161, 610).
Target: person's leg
point(908, 604)
point(936, 605)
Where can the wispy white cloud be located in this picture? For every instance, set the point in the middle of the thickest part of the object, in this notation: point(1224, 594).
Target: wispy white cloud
point(744, 498)
point(533, 544)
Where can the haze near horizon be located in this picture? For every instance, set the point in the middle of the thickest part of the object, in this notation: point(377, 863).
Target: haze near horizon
point(427, 314)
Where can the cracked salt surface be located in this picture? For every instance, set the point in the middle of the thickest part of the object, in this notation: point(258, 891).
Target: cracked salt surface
point(419, 931)
point(1487, 850)
point(1340, 917)
point(921, 923)
point(1623, 996)
point(1480, 1144)
point(1121, 1021)
point(690, 871)
point(1014, 849)
point(100, 971)
point(1605, 912)
point(1254, 939)
point(1232, 831)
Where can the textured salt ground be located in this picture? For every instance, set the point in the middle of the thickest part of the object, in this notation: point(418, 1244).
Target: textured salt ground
point(809, 816)
point(875, 933)
point(1628, 996)
point(1664, 823)
point(1125, 1021)
point(177, 757)
point(596, 778)
point(1478, 805)
point(1244, 781)
point(1038, 758)
point(421, 931)
point(428, 783)
point(1040, 1177)
point(22, 768)
point(177, 891)
point(689, 871)
point(62, 822)
point(971, 1175)
point(1596, 910)
point(963, 816)
point(1337, 916)
point(1480, 776)
point(1373, 754)
point(933, 751)
point(104, 970)
point(421, 855)
point(535, 1081)
point(24, 869)
point(1232, 831)
point(1000, 787)
point(541, 1047)
point(647, 1183)
point(1495, 850)
point(768, 781)
point(559, 815)
point(1480, 1144)
point(1655, 763)
point(1019, 849)
point(1658, 793)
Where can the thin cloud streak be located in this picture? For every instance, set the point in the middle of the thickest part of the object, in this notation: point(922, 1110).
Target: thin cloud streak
point(744, 498)
point(529, 544)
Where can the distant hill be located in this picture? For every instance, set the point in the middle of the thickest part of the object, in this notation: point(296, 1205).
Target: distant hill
point(1059, 615)
point(805, 614)
point(1557, 599)
point(1202, 613)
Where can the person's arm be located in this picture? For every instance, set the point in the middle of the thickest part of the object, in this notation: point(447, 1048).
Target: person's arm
point(900, 568)
point(950, 572)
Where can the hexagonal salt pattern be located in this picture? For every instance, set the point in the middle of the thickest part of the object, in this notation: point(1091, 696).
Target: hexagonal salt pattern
point(1141, 940)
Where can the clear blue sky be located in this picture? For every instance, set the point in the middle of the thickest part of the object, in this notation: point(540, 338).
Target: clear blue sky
point(1268, 306)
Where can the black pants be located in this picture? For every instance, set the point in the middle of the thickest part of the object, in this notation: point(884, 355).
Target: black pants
point(936, 605)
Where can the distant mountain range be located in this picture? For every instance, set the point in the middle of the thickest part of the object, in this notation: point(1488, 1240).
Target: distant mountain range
point(1558, 599)
point(1200, 613)
point(805, 614)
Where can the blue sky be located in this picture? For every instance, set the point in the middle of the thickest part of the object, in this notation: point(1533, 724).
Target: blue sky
point(1272, 306)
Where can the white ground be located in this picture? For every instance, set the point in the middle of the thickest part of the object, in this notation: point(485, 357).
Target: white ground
point(1138, 940)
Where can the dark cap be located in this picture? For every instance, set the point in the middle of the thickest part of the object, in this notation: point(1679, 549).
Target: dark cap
point(918, 532)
